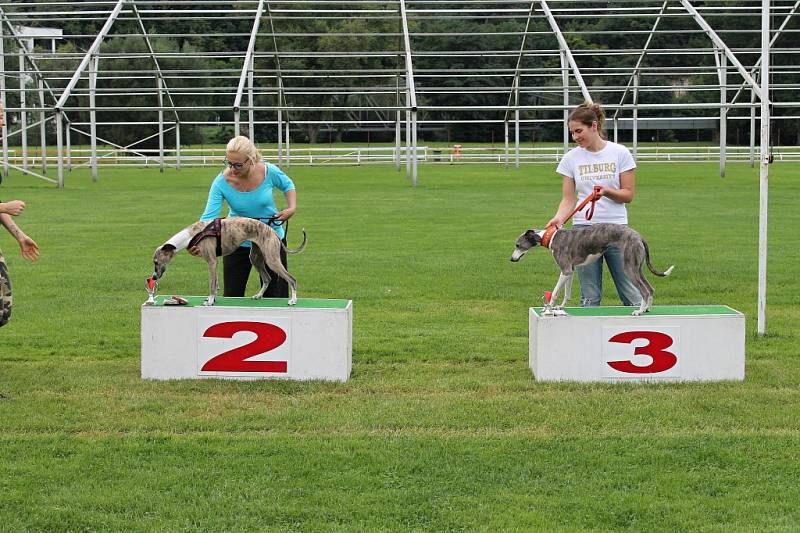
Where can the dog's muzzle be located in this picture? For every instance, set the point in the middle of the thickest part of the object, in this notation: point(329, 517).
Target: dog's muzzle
point(517, 255)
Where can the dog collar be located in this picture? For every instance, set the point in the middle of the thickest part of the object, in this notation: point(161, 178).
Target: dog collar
point(548, 236)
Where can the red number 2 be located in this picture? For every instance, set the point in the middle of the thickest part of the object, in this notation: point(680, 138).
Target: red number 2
point(269, 337)
point(661, 360)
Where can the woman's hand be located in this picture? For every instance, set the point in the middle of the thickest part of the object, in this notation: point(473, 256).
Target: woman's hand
point(555, 221)
point(291, 205)
point(13, 208)
point(286, 214)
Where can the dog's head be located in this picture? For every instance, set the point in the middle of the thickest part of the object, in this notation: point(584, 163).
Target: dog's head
point(525, 242)
point(161, 258)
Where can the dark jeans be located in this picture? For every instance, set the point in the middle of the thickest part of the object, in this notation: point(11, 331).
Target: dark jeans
point(236, 269)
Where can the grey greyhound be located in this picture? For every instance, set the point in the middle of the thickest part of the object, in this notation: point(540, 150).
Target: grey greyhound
point(232, 232)
point(580, 246)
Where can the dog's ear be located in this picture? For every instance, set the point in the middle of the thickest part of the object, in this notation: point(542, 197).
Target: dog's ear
point(533, 236)
point(168, 247)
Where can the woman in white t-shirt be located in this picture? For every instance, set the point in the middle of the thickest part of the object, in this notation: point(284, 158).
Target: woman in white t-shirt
point(597, 161)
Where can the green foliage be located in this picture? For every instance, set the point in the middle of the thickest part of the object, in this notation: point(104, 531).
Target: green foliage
point(442, 426)
point(451, 59)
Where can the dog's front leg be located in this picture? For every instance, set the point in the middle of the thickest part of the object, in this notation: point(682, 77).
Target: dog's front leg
point(562, 279)
point(567, 285)
point(212, 280)
point(558, 310)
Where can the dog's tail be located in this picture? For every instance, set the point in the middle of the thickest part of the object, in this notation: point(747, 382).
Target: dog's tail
point(299, 248)
point(667, 272)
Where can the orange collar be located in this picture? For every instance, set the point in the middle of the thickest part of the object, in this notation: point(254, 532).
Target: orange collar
point(548, 236)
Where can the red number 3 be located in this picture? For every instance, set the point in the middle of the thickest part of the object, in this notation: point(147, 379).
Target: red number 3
point(268, 337)
point(661, 360)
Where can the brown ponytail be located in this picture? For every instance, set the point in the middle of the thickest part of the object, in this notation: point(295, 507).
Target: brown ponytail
point(588, 113)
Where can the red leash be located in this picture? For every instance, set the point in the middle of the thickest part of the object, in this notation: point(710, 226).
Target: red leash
point(592, 198)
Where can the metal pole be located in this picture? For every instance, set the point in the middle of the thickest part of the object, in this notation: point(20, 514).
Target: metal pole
point(414, 148)
point(95, 64)
point(562, 43)
point(247, 64)
point(516, 127)
point(763, 206)
point(723, 112)
point(159, 84)
point(709, 31)
point(68, 143)
point(60, 146)
point(397, 128)
point(635, 115)
point(411, 97)
point(177, 145)
point(43, 126)
point(236, 122)
point(565, 85)
point(250, 113)
point(288, 152)
point(67, 92)
point(752, 130)
point(397, 137)
point(408, 139)
point(2, 95)
point(505, 141)
point(23, 115)
point(280, 138)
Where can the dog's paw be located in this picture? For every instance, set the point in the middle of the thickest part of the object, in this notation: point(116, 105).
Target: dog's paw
point(292, 301)
point(257, 297)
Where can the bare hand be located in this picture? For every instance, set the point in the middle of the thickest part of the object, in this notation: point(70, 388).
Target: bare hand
point(286, 214)
point(555, 221)
point(14, 207)
point(194, 250)
point(29, 248)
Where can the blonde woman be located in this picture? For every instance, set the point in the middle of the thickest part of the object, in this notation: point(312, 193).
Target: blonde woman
point(247, 184)
point(597, 162)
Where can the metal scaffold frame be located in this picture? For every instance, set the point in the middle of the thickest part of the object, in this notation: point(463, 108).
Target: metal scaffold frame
point(307, 66)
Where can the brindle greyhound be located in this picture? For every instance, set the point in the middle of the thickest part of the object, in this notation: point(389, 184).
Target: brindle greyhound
point(580, 246)
point(232, 232)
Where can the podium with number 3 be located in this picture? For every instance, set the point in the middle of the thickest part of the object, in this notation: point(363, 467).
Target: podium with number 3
point(670, 343)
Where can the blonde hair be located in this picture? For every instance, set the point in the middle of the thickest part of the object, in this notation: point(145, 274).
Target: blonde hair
point(589, 112)
point(242, 145)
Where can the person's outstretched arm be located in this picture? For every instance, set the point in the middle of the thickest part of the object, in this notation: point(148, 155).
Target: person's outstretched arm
point(27, 246)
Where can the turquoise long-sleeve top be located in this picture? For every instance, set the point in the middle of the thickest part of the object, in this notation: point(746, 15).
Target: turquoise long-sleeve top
point(258, 203)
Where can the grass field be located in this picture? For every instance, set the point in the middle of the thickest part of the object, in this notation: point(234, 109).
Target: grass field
point(442, 426)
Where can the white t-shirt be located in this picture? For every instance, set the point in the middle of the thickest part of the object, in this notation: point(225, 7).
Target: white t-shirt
point(597, 168)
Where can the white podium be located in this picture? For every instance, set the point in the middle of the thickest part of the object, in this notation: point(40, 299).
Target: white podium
point(245, 339)
point(669, 343)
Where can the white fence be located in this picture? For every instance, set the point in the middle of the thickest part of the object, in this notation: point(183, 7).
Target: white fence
point(306, 156)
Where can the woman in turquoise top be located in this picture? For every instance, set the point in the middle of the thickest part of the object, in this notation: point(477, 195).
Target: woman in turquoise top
point(246, 185)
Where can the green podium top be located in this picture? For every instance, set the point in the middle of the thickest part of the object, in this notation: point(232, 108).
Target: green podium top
point(656, 310)
point(222, 301)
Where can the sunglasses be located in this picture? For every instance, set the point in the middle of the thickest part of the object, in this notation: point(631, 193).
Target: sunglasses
point(235, 166)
